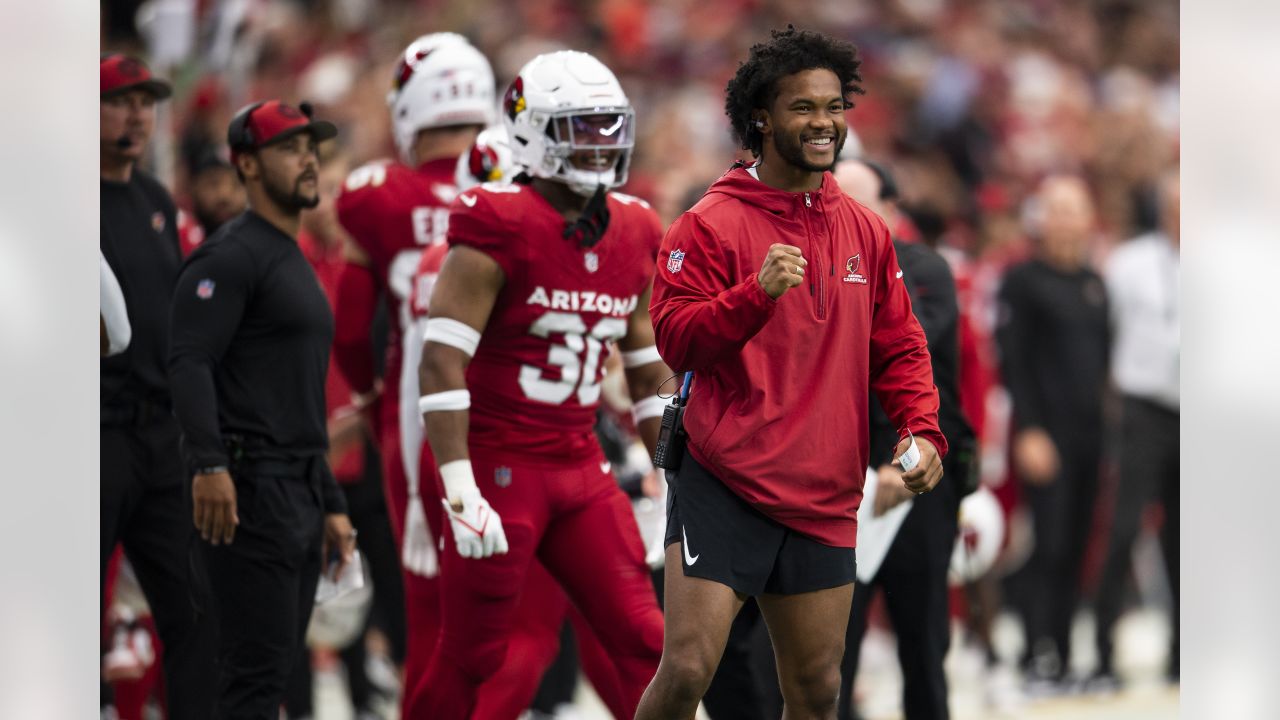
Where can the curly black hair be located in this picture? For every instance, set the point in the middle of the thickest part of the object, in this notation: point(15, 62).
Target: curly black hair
point(789, 51)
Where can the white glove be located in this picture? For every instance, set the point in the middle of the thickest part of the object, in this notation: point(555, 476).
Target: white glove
point(418, 554)
point(477, 529)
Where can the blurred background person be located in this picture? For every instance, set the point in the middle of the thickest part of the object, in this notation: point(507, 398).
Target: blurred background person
point(913, 574)
point(1054, 346)
point(216, 196)
point(144, 505)
point(1142, 281)
point(355, 462)
point(441, 97)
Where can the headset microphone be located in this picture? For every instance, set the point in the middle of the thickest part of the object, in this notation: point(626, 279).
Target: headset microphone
point(124, 142)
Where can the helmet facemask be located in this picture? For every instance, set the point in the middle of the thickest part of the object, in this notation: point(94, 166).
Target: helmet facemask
point(592, 147)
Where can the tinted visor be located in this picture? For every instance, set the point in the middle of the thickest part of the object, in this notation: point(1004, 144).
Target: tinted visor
point(596, 130)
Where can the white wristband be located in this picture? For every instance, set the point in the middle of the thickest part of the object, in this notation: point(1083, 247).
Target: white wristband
point(447, 400)
point(650, 407)
point(458, 478)
point(447, 331)
point(643, 356)
point(910, 457)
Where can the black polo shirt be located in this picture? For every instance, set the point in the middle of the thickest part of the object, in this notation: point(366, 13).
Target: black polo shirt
point(138, 235)
point(251, 331)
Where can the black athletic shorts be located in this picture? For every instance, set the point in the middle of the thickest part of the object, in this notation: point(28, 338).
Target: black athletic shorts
point(726, 540)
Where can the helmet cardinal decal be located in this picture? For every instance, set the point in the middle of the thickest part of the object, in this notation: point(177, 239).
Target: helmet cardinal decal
point(514, 103)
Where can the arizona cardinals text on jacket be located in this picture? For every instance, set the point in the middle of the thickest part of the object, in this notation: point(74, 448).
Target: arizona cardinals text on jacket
point(778, 408)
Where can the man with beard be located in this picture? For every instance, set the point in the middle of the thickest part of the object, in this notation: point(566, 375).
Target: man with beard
point(216, 197)
point(766, 497)
point(142, 504)
point(251, 331)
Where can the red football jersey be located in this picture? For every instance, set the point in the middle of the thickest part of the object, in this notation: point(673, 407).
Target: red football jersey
point(190, 233)
point(424, 280)
point(393, 213)
point(327, 261)
point(535, 378)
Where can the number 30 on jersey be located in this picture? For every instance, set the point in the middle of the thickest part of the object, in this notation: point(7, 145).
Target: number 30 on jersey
point(578, 358)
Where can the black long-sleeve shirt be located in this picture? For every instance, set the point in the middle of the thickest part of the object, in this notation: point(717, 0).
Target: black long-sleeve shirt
point(1053, 338)
point(251, 330)
point(933, 301)
point(138, 235)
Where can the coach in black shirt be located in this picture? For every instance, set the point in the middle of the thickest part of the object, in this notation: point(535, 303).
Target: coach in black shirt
point(1053, 338)
point(142, 489)
point(251, 334)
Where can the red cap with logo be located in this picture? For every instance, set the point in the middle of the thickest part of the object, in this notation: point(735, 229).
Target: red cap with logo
point(267, 122)
point(121, 73)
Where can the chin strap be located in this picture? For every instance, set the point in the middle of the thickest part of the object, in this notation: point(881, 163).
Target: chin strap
point(594, 221)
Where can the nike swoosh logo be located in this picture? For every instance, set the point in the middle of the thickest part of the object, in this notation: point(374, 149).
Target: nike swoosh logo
point(605, 467)
point(688, 559)
point(899, 274)
point(468, 200)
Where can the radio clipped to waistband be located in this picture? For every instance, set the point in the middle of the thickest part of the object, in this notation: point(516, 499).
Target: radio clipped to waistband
point(671, 436)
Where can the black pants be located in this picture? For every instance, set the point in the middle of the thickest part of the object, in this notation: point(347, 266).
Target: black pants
point(367, 509)
point(914, 580)
point(1149, 471)
point(264, 587)
point(146, 505)
point(1062, 517)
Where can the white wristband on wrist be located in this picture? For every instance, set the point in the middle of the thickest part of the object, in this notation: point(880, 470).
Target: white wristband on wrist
point(910, 457)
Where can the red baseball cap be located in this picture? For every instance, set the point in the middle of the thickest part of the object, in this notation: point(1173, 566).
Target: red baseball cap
point(268, 122)
point(121, 73)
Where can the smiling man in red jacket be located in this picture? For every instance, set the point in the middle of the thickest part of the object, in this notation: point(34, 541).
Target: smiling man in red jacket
point(784, 297)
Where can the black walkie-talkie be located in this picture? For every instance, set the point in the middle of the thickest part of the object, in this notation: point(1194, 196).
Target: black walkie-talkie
point(671, 436)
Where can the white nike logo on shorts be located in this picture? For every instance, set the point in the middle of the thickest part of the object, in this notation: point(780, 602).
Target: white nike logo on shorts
point(688, 559)
point(468, 200)
point(605, 466)
point(899, 274)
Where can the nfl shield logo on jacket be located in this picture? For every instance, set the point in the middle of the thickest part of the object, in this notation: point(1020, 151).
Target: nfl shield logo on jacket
point(675, 261)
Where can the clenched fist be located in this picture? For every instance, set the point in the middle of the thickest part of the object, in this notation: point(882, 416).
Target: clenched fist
point(783, 269)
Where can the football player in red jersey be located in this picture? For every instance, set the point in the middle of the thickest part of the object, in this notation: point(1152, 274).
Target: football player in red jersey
point(541, 276)
point(442, 96)
point(543, 607)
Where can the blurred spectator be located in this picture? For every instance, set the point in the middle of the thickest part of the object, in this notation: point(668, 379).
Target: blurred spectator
point(216, 196)
point(1142, 280)
point(913, 575)
point(1053, 350)
point(354, 460)
point(143, 478)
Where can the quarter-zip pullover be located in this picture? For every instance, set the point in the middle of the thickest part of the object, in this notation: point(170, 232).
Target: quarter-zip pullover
point(778, 408)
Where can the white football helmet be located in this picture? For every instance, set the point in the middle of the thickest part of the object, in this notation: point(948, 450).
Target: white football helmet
point(488, 160)
point(566, 104)
point(441, 80)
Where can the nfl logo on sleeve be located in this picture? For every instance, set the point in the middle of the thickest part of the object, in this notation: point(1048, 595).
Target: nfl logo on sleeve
point(675, 261)
point(204, 290)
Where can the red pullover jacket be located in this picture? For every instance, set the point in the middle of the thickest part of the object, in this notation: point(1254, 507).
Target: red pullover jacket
point(778, 407)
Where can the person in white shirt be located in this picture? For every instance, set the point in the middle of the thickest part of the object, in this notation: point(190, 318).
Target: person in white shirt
point(1142, 282)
